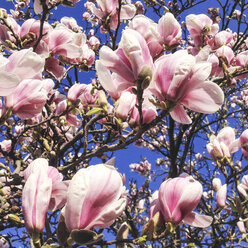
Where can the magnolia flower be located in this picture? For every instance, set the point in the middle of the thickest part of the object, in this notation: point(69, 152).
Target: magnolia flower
point(223, 144)
point(199, 26)
point(43, 191)
point(28, 98)
point(168, 30)
point(95, 198)
point(128, 62)
point(148, 29)
point(108, 9)
point(20, 65)
point(243, 141)
point(177, 198)
point(181, 81)
point(243, 186)
point(221, 196)
point(216, 183)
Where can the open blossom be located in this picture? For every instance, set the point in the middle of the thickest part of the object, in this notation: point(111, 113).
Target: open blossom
point(43, 191)
point(177, 198)
point(168, 31)
point(20, 65)
point(128, 60)
point(223, 144)
point(181, 81)
point(95, 198)
point(243, 186)
point(29, 98)
point(146, 26)
point(200, 26)
point(108, 9)
point(63, 41)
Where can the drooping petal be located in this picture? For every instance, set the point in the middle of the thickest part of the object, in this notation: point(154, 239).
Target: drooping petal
point(179, 114)
point(206, 98)
point(198, 220)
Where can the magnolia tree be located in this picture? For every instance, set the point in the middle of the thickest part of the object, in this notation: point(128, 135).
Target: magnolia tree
point(150, 73)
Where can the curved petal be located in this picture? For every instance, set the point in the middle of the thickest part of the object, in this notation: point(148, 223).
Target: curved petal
point(206, 98)
point(8, 83)
point(179, 114)
point(58, 196)
point(114, 62)
point(198, 220)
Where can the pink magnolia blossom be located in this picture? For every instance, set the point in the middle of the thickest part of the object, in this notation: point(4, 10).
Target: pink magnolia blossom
point(125, 105)
point(71, 116)
point(5, 32)
point(222, 38)
point(243, 141)
point(149, 111)
point(95, 198)
point(216, 183)
point(223, 144)
point(4, 243)
point(26, 64)
point(241, 226)
point(108, 9)
point(35, 199)
point(146, 27)
point(20, 65)
point(128, 60)
point(53, 67)
point(71, 23)
point(181, 81)
point(43, 191)
point(108, 80)
point(221, 196)
point(6, 145)
point(31, 27)
point(168, 30)
point(177, 198)
point(28, 98)
point(199, 26)
point(243, 186)
point(63, 41)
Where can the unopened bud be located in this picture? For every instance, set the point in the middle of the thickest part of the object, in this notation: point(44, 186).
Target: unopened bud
point(145, 76)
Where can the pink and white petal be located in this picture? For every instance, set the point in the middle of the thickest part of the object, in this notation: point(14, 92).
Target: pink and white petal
point(54, 174)
point(189, 198)
point(106, 80)
point(35, 165)
point(8, 83)
point(114, 62)
point(35, 199)
point(58, 196)
point(127, 11)
point(226, 136)
point(108, 215)
point(198, 220)
point(179, 114)
point(68, 50)
point(26, 64)
point(206, 98)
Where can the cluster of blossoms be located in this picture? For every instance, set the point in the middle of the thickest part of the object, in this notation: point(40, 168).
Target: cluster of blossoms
point(151, 73)
point(96, 196)
point(224, 144)
point(143, 168)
